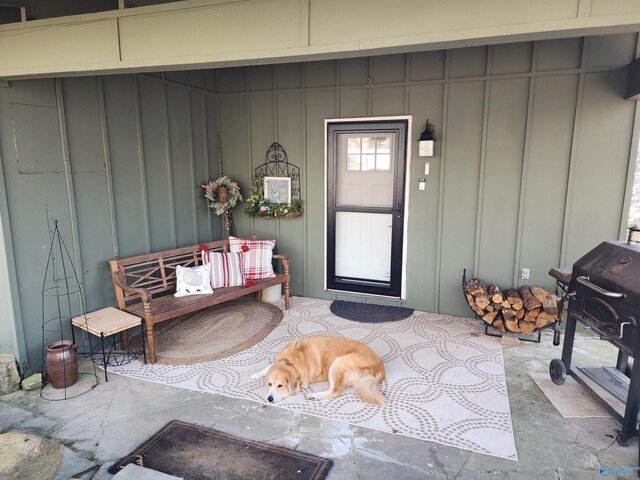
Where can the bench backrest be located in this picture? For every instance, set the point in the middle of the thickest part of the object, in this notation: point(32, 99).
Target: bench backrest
point(156, 271)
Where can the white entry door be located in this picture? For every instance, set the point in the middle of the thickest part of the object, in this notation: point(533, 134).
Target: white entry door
point(365, 209)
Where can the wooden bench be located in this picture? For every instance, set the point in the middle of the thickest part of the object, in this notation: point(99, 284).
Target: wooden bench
point(144, 285)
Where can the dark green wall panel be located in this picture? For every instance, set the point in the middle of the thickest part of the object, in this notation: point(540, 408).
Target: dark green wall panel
point(388, 101)
point(500, 182)
point(354, 71)
point(427, 65)
point(87, 155)
point(33, 201)
point(260, 77)
point(424, 101)
point(459, 211)
point(468, 62)
point(263, 134)
point(319, 106)
point(231, 80)
point(196, 78)
point(213, 160)
point(127, 165)
point(236, 152)
point(610, 50)
point(176, 77)
point(598, 186)
point(36, 157)
point(201, 170)
point(292, 235)
point(289, 75)
point(84, 124)
point(157, 163)
point(320, 74)
point(129, 146)
point(511, 58)
point(554, 107)
point(183, 179)
point(354, 102)
point(389, 68)
point(559, 54)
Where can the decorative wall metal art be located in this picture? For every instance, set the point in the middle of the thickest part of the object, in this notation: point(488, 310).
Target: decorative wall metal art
point(275, 187)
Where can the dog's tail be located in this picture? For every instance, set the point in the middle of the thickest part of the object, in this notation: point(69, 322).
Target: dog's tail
point(367, 389)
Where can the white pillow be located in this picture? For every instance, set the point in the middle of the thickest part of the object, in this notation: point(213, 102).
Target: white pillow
point(193, 280)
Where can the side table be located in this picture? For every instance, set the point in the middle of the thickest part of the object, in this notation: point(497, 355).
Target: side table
point(109, 321)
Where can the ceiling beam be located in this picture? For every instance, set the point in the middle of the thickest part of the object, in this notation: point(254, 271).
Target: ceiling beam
point(196, 34)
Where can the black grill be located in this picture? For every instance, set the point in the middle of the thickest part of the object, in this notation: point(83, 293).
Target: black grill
point(603, 293)
point(606, 293)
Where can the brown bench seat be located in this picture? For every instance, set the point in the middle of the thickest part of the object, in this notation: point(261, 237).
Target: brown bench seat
point(144, 285)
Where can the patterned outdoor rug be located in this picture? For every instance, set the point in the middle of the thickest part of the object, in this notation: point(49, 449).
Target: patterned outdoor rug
point(445, 379)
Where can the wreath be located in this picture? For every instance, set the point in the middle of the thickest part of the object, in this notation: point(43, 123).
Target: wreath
point(257, 205)
point(222, 194)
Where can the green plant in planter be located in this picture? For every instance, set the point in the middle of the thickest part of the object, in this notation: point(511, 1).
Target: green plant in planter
point(256, 205)
point(256, 199)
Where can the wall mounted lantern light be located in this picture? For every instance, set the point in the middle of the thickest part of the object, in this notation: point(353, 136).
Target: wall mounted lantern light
point(426, 142)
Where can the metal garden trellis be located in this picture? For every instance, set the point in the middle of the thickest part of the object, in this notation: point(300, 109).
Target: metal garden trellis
point(61, 297)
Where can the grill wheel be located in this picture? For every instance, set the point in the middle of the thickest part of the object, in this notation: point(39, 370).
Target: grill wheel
point(557, 371)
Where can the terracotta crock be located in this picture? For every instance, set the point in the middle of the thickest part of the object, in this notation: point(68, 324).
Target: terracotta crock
point(62, 363)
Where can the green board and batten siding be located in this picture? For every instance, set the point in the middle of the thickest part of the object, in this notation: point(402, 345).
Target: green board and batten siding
point(531, 169)
point(117, 160)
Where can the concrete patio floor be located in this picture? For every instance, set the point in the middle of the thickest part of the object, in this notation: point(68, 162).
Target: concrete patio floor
point(108, 422)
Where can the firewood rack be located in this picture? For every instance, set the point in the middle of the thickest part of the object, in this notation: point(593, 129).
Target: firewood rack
point(490, 331)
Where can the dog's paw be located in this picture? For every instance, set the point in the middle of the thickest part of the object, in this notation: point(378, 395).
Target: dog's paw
point(320, 396)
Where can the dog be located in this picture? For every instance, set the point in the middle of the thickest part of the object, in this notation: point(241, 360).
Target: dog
point(344, 362)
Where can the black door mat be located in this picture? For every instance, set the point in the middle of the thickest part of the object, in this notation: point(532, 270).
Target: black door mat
point(369, 312)
point(197, 453)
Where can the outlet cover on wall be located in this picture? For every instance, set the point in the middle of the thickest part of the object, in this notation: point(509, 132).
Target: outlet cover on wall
point(524, 274)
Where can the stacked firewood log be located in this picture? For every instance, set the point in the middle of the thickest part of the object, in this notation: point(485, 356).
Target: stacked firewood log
point(521, 310)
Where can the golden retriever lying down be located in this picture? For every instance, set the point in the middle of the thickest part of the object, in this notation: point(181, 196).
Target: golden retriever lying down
point(344, 362)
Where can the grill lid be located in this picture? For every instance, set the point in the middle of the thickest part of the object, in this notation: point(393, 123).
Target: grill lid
point(613, 266)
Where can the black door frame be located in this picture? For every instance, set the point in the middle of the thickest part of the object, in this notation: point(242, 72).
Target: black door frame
point(400, 126)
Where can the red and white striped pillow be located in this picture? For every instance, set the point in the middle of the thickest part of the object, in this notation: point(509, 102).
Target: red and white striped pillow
point(226, 268)
point(258, 255)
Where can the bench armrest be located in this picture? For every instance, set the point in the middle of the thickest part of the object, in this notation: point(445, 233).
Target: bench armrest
point(119, 280)
point(285, 262)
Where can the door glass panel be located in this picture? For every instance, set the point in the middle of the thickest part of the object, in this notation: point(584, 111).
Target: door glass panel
point(383, 161)
point(368, 145)
point(365, 169)
point(368, 162)
point(354, 145)
point(353, 163)
point(364, 241)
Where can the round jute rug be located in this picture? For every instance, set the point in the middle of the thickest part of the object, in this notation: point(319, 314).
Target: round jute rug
point(216, 332)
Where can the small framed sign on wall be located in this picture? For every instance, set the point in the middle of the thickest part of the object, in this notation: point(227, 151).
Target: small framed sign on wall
point(277, 189)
